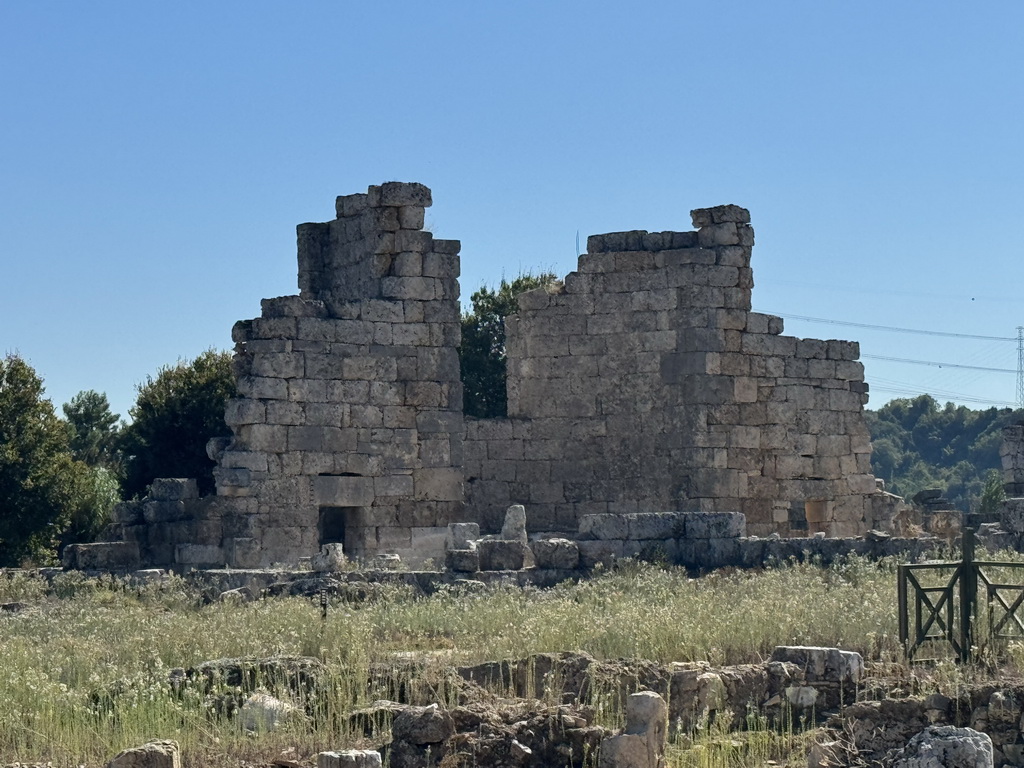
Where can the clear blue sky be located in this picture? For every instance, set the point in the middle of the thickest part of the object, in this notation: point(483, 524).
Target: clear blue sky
point(156, 157)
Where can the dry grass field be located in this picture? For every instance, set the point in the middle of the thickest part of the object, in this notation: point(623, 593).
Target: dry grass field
point(86, 664)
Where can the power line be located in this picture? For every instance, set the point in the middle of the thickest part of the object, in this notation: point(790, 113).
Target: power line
point(938, 364)
point(892, 328)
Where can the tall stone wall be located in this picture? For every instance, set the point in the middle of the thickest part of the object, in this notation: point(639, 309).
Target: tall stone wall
point(645, 383)
point(349, 422)
point(641, 384)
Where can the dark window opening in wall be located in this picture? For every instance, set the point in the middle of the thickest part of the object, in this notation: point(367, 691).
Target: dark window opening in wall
point(343, 525)
point(797, 516)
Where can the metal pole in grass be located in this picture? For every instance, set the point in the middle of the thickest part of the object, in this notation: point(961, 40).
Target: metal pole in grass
point(323, 603)
point(968, 593)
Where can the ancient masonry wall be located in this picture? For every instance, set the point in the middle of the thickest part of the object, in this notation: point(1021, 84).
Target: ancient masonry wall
point(349, 424)
point(643, 384)
point(646, 384)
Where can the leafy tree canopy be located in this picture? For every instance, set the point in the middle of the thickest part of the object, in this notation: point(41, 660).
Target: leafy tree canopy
point(41, 484)
point(482, 353)
point(174, 417)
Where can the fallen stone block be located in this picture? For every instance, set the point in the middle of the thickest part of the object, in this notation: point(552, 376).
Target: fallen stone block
point(153, 754)
point(349, 758)
point(946, 746)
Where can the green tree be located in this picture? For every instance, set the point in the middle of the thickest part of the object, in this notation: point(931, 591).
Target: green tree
point(993, 495)
point(94, 434)
point(94, 429)
point(482, 353)
point(919, 444)
point(41, 484)
point(174, 417)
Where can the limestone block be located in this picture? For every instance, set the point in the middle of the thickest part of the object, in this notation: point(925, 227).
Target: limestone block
point(207, 555)
point(438, 484)
point(647, 715)
point(342, 491)
point(514, 527)
point(830, 665)
point(560, 554)
point(427, 543)
point(102, 556)
point(393, 485)
point(263, 712)
point(645, 526)
point(399, 193)
point(1012, 515)
point(946, 746)
point(242, 552)
point(462, 535)
point(462, 560)
point(714, 525)
point(127, 513)
point(173, 489)
point(625, 750)
point(497, 555)
point(440, 264)
point(330, 558)
point(423, 725)
point(603, 527)
point(703, 217)
point(349, 758)
point(153, 754)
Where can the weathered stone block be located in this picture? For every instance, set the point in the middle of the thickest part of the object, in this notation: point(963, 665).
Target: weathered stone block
point(102, 556)
point(399, 193)
point(349, 758)
point(497, 555)
point(560, 554)
point(645, 526)
point(462, 560)
point(604, 527)
point(242, 552)
point(340, 491)
point(153, 754)
point(173, 489)
point(714, 525)
point(199, 555)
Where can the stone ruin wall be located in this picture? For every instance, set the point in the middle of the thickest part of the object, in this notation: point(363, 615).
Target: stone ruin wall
point(645, 384)
point(349, 422)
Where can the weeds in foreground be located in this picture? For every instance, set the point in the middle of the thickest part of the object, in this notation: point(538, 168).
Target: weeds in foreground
point(83, 640)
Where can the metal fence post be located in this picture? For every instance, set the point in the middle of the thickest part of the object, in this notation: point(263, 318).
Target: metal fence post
point(968, 594)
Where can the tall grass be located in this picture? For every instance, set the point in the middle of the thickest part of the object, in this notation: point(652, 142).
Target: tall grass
point(85, 668)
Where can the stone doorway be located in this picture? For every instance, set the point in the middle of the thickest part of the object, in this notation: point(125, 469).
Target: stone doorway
point(342, 525)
